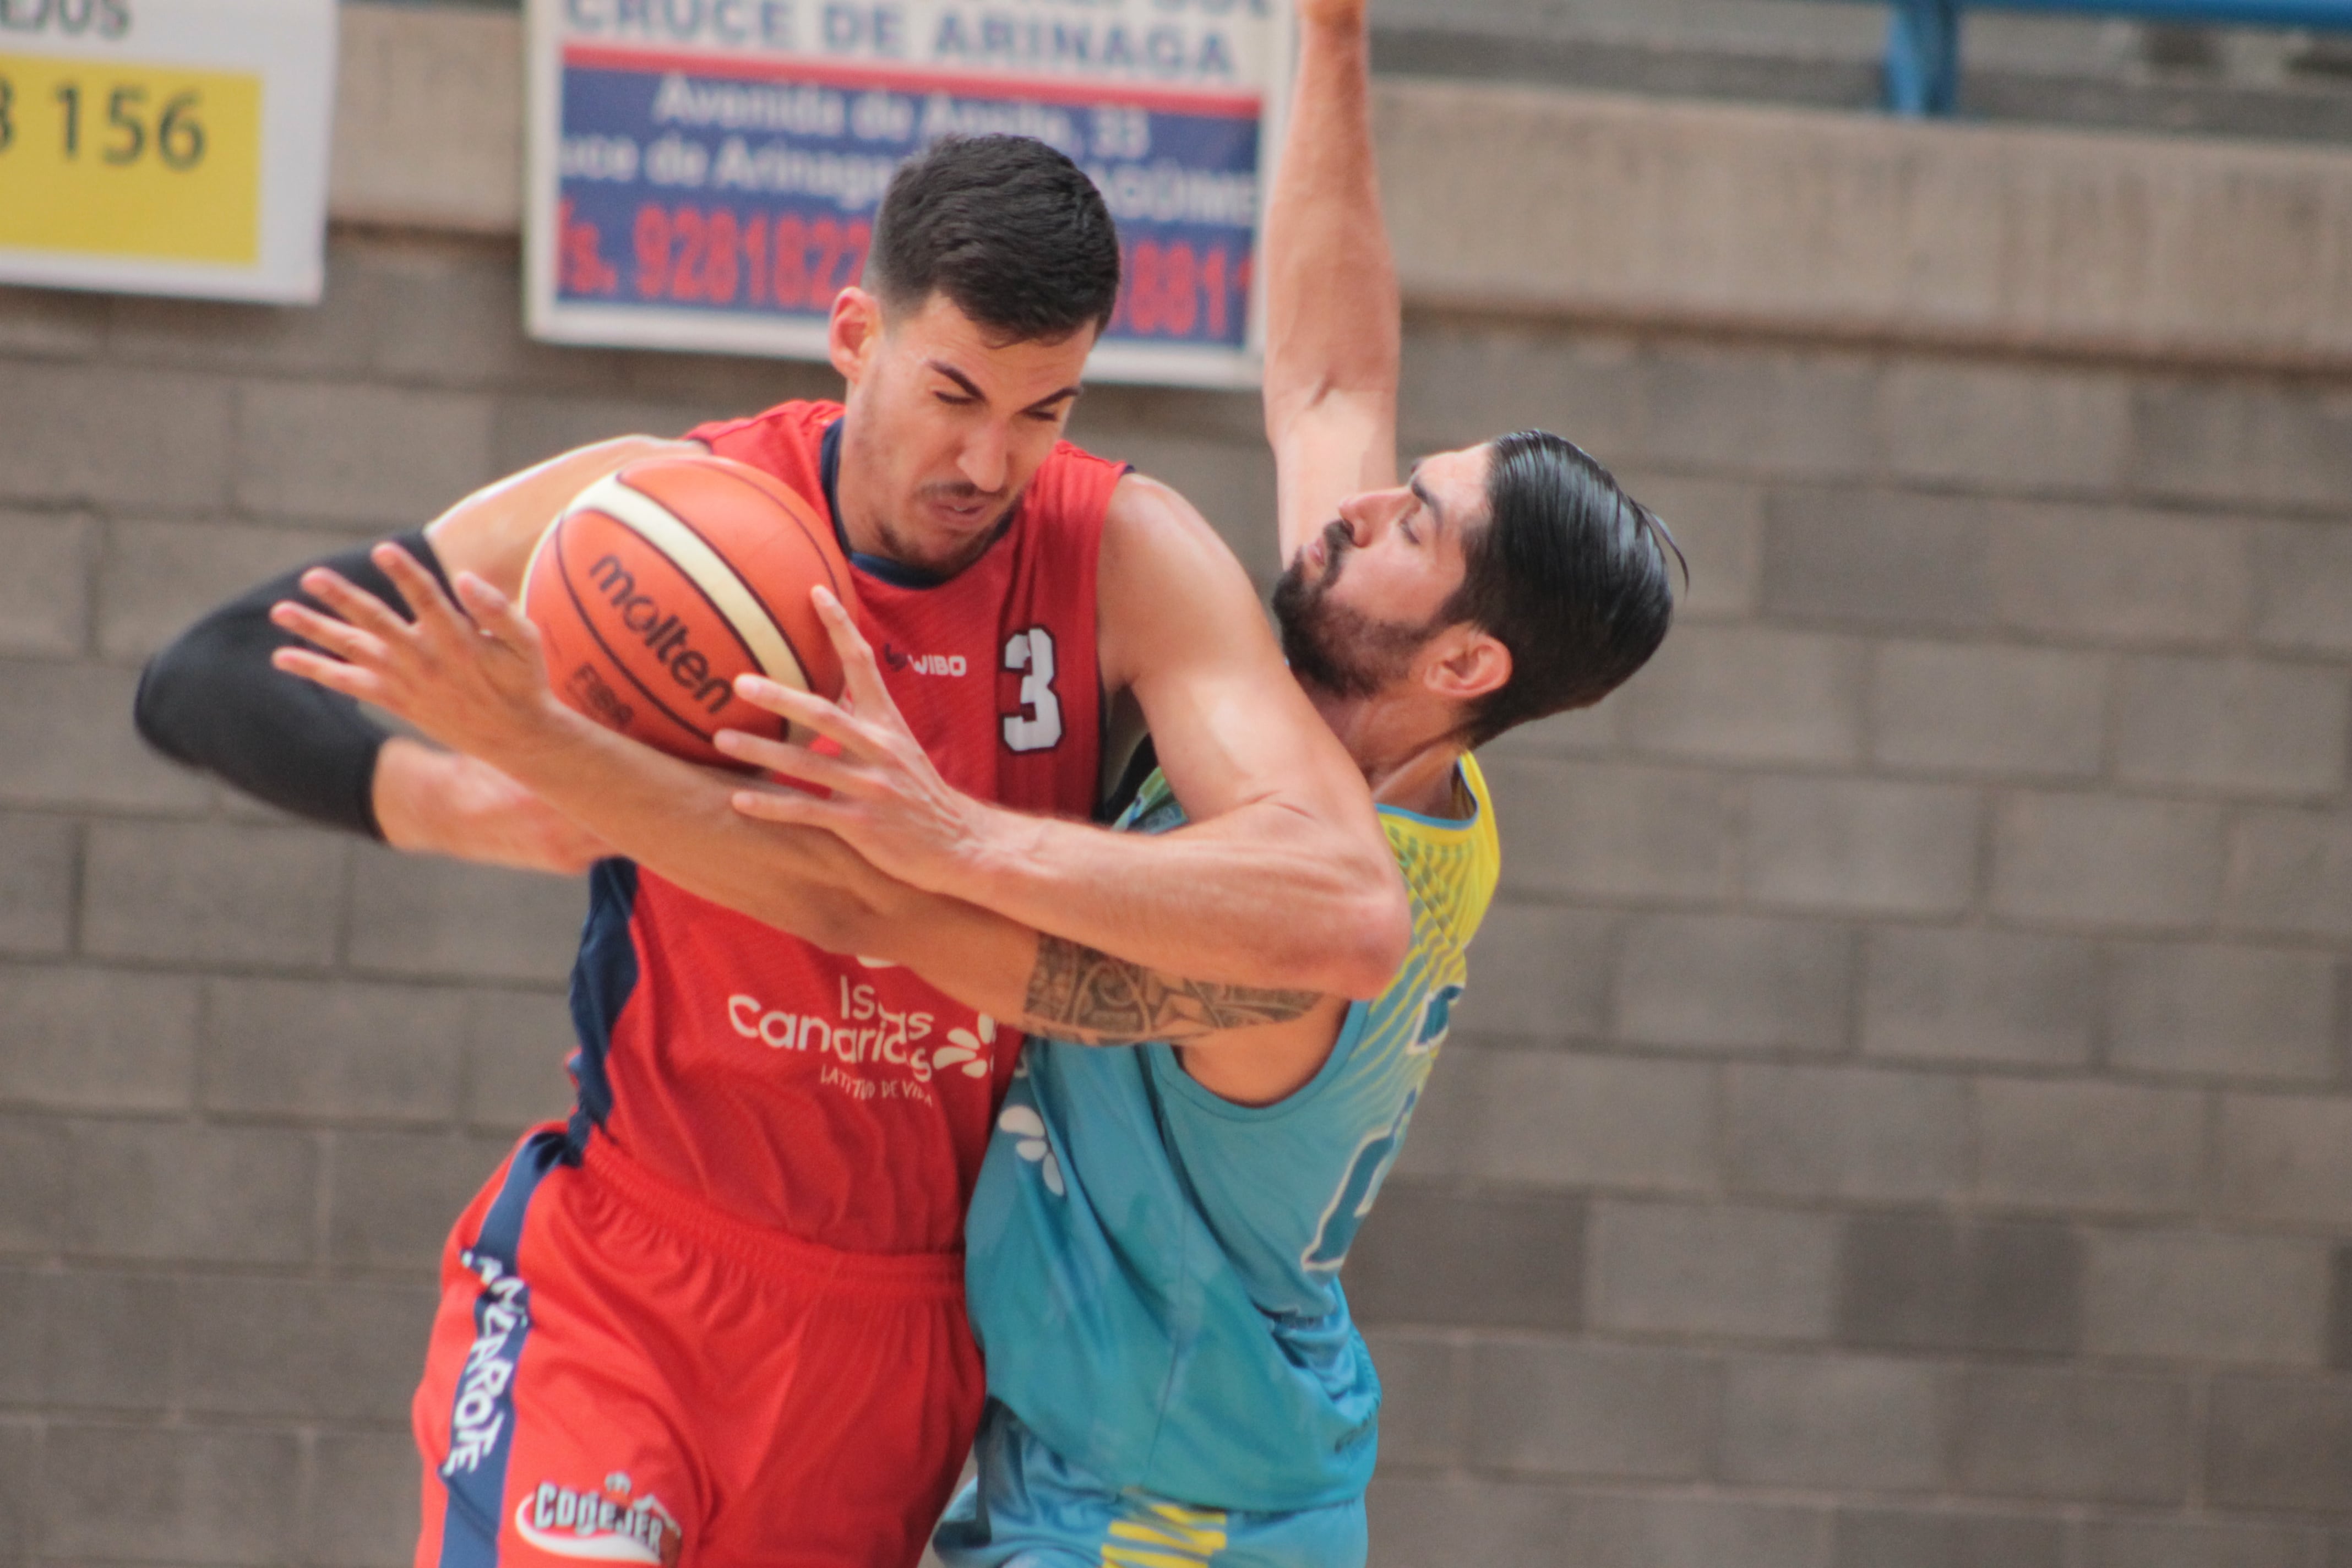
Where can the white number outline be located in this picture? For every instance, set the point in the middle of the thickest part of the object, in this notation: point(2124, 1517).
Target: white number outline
point(1038, 728)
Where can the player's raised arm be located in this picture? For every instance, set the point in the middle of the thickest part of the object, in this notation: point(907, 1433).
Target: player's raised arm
point(1230, 739)
point(1286, 861)
point(211, 699)
point(1333, 332)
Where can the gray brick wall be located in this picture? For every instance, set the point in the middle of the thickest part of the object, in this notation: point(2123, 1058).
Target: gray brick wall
point(1924, 991)
point(1900, 1119)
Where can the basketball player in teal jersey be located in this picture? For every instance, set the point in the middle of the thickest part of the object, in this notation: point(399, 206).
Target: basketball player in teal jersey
point(1155, 1242)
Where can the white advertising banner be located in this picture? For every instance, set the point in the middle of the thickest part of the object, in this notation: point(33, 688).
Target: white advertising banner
point(166, 146)
point(703, 173)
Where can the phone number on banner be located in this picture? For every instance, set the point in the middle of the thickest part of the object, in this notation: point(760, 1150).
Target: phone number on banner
point(669, 198)
point(688, 254)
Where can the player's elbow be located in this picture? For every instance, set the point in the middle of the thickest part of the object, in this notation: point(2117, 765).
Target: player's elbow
point(152, 707)
point(1384, 937)
point(1367, 935)
point(163, 708)
point(1348, 925)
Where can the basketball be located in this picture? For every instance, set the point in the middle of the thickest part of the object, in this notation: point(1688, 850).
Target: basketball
point(662, 583)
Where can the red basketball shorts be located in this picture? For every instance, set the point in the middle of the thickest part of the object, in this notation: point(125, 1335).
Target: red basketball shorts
point(621, 1373)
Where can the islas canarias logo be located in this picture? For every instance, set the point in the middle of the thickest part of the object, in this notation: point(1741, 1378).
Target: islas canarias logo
point(603, 1525)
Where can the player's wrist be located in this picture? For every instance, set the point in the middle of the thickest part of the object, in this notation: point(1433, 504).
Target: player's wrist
point(537, 734)
point(996, 850)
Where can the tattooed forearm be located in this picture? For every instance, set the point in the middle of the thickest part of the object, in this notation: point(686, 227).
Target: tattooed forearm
point(1076, 993)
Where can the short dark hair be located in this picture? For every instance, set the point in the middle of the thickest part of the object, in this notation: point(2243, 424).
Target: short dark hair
point(1568, 572)
point(1009, 229)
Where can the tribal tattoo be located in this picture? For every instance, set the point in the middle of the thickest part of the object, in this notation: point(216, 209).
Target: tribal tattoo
point(1076, 992)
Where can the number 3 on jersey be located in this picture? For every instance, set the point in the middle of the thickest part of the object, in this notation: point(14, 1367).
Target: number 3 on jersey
point(1038, 726)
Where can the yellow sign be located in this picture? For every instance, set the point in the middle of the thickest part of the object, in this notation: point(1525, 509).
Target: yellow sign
point(116, 159)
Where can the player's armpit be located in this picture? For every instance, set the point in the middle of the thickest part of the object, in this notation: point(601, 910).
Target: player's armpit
point(1078, 993)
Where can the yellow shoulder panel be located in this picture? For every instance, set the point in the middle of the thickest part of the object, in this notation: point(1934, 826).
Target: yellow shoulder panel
point(1450, 868)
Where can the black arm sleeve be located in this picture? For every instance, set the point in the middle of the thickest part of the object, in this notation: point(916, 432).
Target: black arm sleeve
point(213, 700)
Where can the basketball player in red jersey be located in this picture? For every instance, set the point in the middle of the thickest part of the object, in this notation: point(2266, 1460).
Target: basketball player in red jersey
point(718, 1316)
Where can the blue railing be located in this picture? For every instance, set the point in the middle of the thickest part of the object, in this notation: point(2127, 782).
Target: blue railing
point(1923, 40)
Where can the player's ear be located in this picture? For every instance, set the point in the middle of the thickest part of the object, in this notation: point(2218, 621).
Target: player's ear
point(853, 333)
point(1467, 663)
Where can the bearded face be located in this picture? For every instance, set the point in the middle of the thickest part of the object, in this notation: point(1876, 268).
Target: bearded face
point(1335, 648)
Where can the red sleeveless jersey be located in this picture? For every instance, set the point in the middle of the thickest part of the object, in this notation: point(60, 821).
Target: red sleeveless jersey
point(848, 1102)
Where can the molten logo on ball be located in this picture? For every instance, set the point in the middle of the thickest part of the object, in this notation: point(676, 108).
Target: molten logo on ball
point(663, 634)
point(662, 583)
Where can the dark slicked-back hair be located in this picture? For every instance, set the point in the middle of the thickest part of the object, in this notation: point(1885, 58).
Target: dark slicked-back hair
point(1011, 231)
point(1568, 572)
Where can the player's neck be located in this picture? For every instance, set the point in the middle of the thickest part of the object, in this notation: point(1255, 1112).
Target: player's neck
point(1425, 784)
point(1408, 750)
point(859, 516)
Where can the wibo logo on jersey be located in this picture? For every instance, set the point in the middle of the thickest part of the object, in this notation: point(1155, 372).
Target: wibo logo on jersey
point(601, 1526)
point(503, 1316)
point(924, 663)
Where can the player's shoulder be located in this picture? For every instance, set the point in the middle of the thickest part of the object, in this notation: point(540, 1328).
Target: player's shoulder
point(1138, 499)
point(785, 442)
point(1451, 864)
point(1157, 542)
point(1072, 492)
point(1067, 454)
point(797, 421)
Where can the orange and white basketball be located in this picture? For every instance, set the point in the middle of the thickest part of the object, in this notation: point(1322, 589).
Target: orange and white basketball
point(662, 582)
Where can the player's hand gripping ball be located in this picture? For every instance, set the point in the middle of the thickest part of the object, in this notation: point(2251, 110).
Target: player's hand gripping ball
point(662, 582)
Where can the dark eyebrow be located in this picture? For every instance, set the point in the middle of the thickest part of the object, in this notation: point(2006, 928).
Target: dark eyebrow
point(965, 382)
point(1421, 494)
point(957, 376)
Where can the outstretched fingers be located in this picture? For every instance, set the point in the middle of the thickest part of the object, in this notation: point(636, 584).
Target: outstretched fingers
point(760, 750)
point(792, 807)
point(795, 762)
point(810, 711)
point(498, 617)
point(425, 601)
point(861, 675)
point(348, 600)
point(334, 674)
point(339, 637)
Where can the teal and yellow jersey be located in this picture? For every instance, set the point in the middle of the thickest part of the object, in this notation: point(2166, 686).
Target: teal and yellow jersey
point(1154, 1271)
